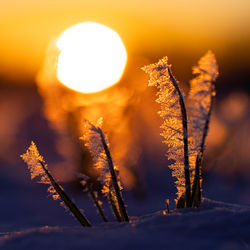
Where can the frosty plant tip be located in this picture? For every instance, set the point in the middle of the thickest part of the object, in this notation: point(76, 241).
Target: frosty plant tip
point(185, 124)
point(38, 169)
point(98, 146)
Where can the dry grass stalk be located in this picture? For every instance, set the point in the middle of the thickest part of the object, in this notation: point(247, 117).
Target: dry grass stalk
point(98, 146)
point(38, 168)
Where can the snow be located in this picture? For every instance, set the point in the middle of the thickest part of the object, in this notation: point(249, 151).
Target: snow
point(215, 225)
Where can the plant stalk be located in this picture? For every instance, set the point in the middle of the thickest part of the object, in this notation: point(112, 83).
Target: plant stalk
point(185, 140)
point(196, 189)
point(122, 207)
point(68, 202)
point(114, 208)
point(96, 201)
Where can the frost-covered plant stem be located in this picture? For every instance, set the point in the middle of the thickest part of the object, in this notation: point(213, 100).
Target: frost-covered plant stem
point(122, 208)
point(185, 140)
point(114, 208)
point(68, 202)
point(96, 202)
point(196, 189)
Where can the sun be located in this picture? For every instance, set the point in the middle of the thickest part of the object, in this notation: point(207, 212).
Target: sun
point(92, 57)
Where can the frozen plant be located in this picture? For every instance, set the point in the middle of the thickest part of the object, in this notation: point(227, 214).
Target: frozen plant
point(174, 127)
point(87, 185)
point(38, 169)
point(199, 104)
point(96, 142)
point(184, 128)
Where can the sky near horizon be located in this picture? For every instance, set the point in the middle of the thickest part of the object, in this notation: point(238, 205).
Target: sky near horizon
point(145, 26)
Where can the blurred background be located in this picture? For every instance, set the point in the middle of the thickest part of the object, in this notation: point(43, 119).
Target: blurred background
point(182, 30)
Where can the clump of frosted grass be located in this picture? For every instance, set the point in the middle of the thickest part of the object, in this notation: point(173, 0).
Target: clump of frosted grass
point(97, 143)
point(185, 126)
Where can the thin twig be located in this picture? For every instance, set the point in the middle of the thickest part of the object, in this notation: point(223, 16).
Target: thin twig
point(68, 202)
point(196, 189)
point(199, 158)
point(185, 139)
point(97, 203)
point(114, 208)
point(122, 207)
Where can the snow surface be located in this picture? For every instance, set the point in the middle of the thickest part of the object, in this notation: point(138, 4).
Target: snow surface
point(215, 225)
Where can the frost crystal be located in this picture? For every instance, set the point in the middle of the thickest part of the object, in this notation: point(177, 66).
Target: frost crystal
point(202, 92)
point(170, 111)
point(93, 141)
point(187, 152)
point(38, 169)
point(33, 160)
point(108, 173)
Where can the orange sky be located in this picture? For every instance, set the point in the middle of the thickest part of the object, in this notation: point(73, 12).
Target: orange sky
point(146, 26)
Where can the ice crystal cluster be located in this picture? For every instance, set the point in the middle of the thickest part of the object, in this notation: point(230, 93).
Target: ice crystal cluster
point(170, 111)
point(34, 162)
point(184, 128)
point(97, 143)
point(93, 138)
point(201, 95)
point(38, 168)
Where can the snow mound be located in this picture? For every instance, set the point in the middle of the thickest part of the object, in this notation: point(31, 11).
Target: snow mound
point(215, 225)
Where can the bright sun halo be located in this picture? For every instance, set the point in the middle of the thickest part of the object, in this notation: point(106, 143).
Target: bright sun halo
point(92, 57)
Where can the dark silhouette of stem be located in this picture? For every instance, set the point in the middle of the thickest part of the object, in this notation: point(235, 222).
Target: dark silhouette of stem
point(167, 205)
point(96, 201)
point(122, 208)
point(114, 208)
point(196, 189)
point(181, 202)
point(68, 202)
point(185, 140)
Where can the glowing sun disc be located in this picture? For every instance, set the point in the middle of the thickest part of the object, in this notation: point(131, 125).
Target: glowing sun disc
point(92, 57)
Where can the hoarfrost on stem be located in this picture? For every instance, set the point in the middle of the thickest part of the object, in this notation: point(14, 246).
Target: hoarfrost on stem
point(97, 143)
point(174, 124)
point(199, 104)
point(34, 162)
point(185, 130)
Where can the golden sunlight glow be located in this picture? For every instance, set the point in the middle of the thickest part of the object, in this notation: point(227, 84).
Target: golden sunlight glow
point(92, 57)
